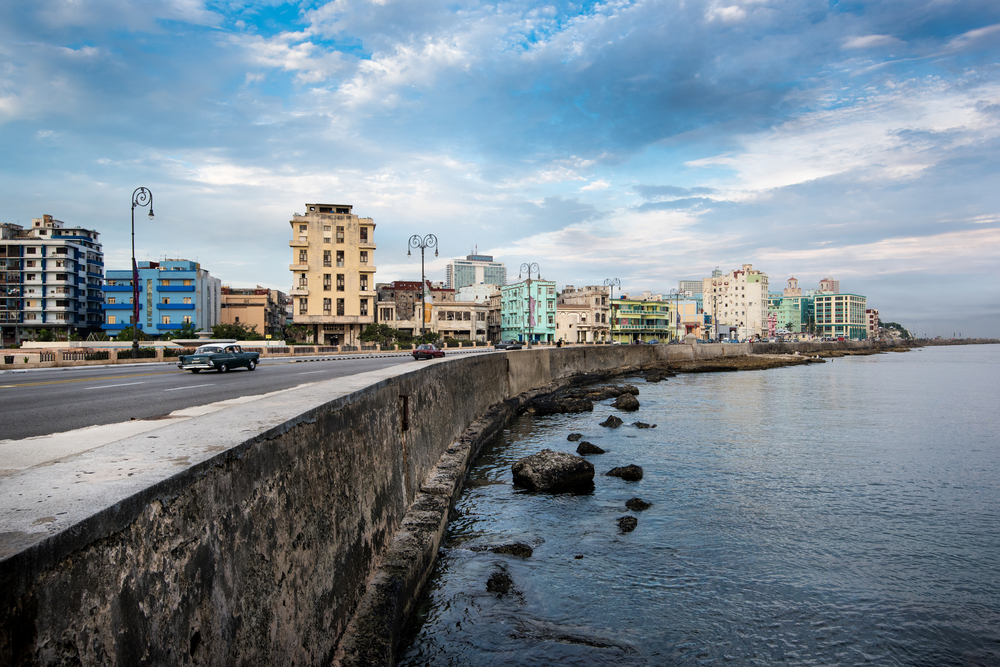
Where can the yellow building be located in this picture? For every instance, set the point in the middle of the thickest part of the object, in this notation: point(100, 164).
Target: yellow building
point(333, 272)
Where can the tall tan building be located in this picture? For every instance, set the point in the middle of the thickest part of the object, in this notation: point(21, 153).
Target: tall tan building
point(737, 301)
point(333, 272)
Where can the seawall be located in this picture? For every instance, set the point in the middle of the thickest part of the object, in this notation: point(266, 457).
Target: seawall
point(256, 534)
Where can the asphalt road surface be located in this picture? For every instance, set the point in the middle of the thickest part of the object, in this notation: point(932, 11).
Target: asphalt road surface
point(42, 402)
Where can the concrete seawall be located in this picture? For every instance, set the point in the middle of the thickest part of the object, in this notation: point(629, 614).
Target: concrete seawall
point(249, 536)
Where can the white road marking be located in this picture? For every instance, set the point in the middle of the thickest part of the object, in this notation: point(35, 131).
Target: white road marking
point(194, 386)
point(109, 386)
point(311, 372)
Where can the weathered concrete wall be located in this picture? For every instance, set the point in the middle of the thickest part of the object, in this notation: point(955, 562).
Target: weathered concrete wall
point(247, 536)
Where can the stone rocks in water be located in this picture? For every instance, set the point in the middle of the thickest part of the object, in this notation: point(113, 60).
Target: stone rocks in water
point(625, 523)
point(637, 504)
point(612, 422)
point(555, 406)
point(553, 471)
point(519, 549)
point(643, 425)
point(588, 448)
point(602, 393)
point(658, 375)
point(573, 437)
point(500, 582)
point(630, 473)
point(626, 402)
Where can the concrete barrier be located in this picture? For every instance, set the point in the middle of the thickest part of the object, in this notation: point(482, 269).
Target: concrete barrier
point(249, 536)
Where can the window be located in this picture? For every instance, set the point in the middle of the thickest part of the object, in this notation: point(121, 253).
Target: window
point(326, 282)
point(112, 319)
point(364, 257)
point(111, 299)
point(187, 319)
point(303, 257)
point(326, 258)
point(340, 306)
point(340, 234)
point(165, 283)
point(327, 239)
point(60, 263)
point(303, 228)
point(187, 283)
point(364, 282)
point(326, 306)
point(187, 299)
point(364, 307)
point(29, 276)
point(363, 231)
point(60, 276)
point(340, 258)
point(326, 228)
point(303, 280)
point(31, 251)
point(340, 282)
point(303, 306)
point(165, 299)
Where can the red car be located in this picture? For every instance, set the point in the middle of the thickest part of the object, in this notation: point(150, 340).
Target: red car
point(427, 351)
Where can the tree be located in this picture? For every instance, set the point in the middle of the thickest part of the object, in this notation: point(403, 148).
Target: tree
point(237, 331)
point(295, 333)
point(187, 331)
point(126, 334)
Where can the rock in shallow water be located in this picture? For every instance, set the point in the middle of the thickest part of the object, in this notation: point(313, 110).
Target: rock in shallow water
point(643, 425)
point(588, 448)
point(500, 582)
point(627, 523)
point(554, 472)
point(519, 549)
point(626, 402)
point(612, 422)
point(637, 504)
point(630, 473)
point(573, 437)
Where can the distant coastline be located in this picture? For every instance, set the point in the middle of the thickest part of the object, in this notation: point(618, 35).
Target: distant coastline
point(928, 342)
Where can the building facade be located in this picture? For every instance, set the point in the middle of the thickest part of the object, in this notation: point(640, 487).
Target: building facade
point(871, 316)
point(583, 315)
point(399, 304)
point(528, 311)
point(172, 293)
point(257, 308)
point(333, 273)
point(841, 315)
point(645, 319)
point(473, 270)
point(50, 279)
point(738, 299)
point(829, 286)
point(792, 310)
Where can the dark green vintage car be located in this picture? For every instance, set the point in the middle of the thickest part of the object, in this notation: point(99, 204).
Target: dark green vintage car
point(221, 357)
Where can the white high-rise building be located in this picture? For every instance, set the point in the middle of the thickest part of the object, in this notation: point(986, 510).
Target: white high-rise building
point(737, 299)
point(473, 270)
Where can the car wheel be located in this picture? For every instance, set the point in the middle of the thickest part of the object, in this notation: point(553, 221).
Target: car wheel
point(251, 364)
point(195, 370)
point(224, 368)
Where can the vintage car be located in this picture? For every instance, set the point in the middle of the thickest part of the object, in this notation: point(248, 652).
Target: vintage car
point(218, 356)
point(427, 351)
point(508, 345)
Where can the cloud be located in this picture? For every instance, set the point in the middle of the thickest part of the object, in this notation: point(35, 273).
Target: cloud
point(599, 184)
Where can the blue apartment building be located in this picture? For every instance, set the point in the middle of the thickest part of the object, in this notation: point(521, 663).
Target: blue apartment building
point(172, 293)
point(515, 321)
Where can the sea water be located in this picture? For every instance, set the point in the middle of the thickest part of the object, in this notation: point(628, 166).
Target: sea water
point(832, 514)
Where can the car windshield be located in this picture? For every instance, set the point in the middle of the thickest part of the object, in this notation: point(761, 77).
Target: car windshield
point(208, 349)
point(426, 347)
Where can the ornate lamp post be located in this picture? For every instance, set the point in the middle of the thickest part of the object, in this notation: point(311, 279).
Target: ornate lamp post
point(429, 241)
point(528, 268)
point(676, 293)
point(142, 197)
point(612, 283)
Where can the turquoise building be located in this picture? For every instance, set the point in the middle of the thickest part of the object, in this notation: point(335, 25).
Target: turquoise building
point(528, 311)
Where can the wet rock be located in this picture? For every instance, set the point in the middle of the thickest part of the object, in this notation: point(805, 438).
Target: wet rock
point(500, 582)
point(601, 393)
point(588, 448)
point(519, 549)
point(612, 422)
point(657, 375)
point(637, 504)
point(626, 523)
point(643, 425)
point(554, 472)
point(630, 473)
point(573, 437)
point(561, 405)
point(626, 402)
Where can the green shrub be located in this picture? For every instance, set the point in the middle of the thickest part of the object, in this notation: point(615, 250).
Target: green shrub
point(406, 346)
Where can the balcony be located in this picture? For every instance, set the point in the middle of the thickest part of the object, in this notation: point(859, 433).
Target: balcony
point(175, 306)
point(117, 306)
point(175, 288)
point(300, 243)
point(298, 267)
point(366, 245)
point(116, 288)
point(299, 291)
point(367, 268)
point(169, 327)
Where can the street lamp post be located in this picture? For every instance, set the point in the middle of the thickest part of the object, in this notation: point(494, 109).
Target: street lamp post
point(429, 241)
point(676, 293)
point(142, 197)
point(612, 283)
point(528, 267)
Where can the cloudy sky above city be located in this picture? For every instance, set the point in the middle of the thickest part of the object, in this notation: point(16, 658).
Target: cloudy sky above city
point(648, 141)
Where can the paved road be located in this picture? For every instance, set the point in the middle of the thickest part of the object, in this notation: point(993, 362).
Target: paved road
point(50, 401)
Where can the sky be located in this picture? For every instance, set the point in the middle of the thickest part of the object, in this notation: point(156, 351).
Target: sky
point(646, 141)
